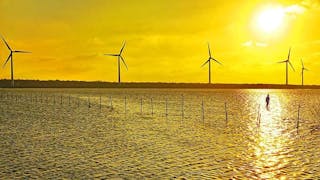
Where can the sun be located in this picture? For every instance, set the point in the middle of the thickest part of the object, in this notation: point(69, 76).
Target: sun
point(270, 20)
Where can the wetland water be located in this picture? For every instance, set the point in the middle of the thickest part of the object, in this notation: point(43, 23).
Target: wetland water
point(159, 134)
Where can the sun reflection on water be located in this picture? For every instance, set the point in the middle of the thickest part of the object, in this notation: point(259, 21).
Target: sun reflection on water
point(268, 147)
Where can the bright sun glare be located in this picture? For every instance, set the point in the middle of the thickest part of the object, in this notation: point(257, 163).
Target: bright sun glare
point(270, 20)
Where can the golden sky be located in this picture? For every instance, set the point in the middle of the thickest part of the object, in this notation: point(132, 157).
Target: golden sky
point(166, 40)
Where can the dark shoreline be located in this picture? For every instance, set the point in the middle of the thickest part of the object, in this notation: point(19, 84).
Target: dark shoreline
point(99, 84)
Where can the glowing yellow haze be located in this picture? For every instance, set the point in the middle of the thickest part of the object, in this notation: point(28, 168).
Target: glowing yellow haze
point(166, 40)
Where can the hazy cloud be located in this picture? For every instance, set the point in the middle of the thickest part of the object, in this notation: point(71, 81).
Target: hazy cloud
point(294, 9)
point(310, 3)
point(301, 7)
point(254, 44)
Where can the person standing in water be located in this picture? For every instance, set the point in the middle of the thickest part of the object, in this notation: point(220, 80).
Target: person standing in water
point(267, 100)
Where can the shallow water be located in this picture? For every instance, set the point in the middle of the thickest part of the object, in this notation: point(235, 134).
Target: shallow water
point(159, 134)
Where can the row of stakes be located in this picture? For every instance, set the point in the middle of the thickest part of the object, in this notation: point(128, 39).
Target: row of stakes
point(37, 99)
point(41, 100)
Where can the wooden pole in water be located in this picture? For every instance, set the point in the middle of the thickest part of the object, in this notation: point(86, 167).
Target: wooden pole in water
point(69, 99)
point(54, 99)
point(100, 102)
point(61, 100)
point(202, 110)
point(166, 107)
point(151, 107)
point(182, 107)
point(140, 105)
point(89, 105)
point(259, 116)
point(111, 101)
point(298, 120)
point(226, 111)
point(125, 105)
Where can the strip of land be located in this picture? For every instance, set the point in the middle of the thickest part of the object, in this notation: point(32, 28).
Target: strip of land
point(5, 83)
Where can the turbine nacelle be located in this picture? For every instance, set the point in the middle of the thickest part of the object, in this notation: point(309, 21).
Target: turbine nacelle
point(11, 51)
point(288, 60)
point(10, 58)
point(303, 68)
point(119, 55)
point(210, 58)
point(120, 58)
point(209, 62)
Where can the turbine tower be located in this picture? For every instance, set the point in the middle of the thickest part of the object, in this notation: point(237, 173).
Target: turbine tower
point(209, 62)
point(10, 57)
point(120, 58)
point(287, 61)
point(302, 70)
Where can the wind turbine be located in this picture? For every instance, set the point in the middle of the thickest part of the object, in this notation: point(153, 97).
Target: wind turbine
point(120, 58)
point(302, 70)
point(209, 62)
point(287, 61)
point(10, 57)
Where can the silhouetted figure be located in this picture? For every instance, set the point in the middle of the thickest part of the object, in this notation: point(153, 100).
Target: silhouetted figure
point(267, 100)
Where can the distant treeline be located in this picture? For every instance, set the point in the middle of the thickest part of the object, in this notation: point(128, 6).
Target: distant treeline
point(99, 84)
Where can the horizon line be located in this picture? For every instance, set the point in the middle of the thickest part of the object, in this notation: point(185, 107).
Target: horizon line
point(157, 82)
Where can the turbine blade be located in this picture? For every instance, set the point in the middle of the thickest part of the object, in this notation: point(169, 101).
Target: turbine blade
point(282, 61)
point(205, 63)
point(124, 44)
point(291, 66)
point(302, 63)
point(123, 62)
point(6, 43)
point(111, 54)
point(289, 54)
point(209, 50)
point(6, 61)
point(21, 52)
point(217, 61)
